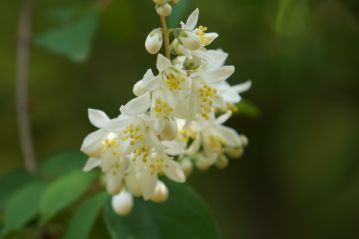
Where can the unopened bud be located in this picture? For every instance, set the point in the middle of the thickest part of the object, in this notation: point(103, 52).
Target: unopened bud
point(113, 187)
point(222, 162)
point(201, 162)
point(139, 89)
point(187, 166)
point(192, 64)
point(160, 2)
point(244, 140)
point(154, 41)
point(122, 203)
point(161, 192)
point(235, 152)
point(188, 39)
point(169, 131)
point(164, 10)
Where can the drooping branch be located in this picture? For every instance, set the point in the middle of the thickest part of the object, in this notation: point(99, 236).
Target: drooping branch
point(22, 85)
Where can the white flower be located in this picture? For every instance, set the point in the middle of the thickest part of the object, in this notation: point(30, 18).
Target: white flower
point(154, 41)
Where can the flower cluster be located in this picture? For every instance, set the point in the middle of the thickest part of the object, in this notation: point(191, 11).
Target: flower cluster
point(174, 123)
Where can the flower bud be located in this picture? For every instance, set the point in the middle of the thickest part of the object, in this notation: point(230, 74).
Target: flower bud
point(188, 39)
point(139, 89)
point(235, 152)
point(244, 140)
point(202, 163)
point(187, 166)
point(164, 10)
point(113, 187)
point(192, 64)
point(160, 2)
point(154, 41)
point(122, 203)
point(222, 162)
point(169, 131)
point(161, 192)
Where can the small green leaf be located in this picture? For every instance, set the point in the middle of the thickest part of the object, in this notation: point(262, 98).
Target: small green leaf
point(73, 40)
point(64, 191)
point(247, 108)
point(23, 206)
point(84, 218)
point(178, 11)
point(62, 163)
point(64, 14)
point(184, 215)
point(10, 182)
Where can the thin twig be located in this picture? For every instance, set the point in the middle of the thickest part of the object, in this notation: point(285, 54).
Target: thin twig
point(22, 81)
point(165, 36)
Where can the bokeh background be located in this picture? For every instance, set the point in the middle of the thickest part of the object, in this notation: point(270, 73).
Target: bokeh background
point(299, 177)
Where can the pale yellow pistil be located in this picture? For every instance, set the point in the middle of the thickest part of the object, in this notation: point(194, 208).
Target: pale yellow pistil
point(207, 95)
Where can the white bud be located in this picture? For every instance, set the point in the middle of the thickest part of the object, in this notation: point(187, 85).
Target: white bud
point(244, 140)
point(192, 64)
point(154, 41)
point(201, 162)
point(222, 162)
point(235, 152)
point(169, 131)
point(188, 39)
point(160, 2)
point(164, 10)
point(113, 186)
point(187, 166)
point(161, 192)
point(122, 203)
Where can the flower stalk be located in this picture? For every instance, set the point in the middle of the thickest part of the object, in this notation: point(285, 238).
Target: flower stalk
point(165, 37)
point(22, 82)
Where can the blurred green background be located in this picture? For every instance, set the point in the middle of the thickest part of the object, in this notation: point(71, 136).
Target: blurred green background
point(299, 177)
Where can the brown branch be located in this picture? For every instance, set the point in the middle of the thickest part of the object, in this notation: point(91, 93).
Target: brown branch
point(165, 37)
point(22, 81)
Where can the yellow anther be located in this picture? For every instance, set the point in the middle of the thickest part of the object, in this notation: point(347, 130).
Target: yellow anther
point(162, 109)
point(132, 133)
point(207, 96)
point(174, 82)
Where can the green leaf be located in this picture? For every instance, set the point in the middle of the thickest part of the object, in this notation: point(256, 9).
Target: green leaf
point(178, 11)
point(63, 192)
point(247, 108)
point(73, 40)
point(62, 163)
point(84, 218)
point(10, 182)
point(63, 14)
point(23, 206)
point(184, 215)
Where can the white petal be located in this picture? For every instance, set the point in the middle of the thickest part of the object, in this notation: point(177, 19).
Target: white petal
point(97, 117)
point(137, 105)
point(174, 147)
point(148, 76)
point(211, 37)
point(162, 63)
point(174, 171)
point(91, 163)
point(119, 123)
point(195, 146)
point(223, 118)
point(229, 136)
point(93, 141)
point(192, 20)
point(242, 87)
point(154, 83)
point(148, 183)
point(231, 96)
point(218, 75)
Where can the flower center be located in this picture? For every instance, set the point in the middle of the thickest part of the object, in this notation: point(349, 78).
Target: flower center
point(200, 32)
point(132, 133)
point(207, 95)
point(174, 82)
point(157, 165)
point(162, 109)
point(111, 143)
